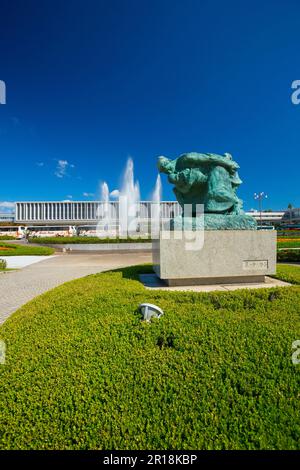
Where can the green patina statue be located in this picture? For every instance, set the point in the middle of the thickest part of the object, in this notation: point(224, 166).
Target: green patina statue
point(212, 180)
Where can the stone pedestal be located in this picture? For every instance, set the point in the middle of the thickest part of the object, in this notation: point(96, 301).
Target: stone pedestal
point(227, 256)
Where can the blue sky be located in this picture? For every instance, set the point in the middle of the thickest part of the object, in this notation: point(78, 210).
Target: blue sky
point(90, 83)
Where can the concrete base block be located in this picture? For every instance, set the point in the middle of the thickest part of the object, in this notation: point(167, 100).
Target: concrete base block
point(152, 282)
point(226, 257)
point(215, 280)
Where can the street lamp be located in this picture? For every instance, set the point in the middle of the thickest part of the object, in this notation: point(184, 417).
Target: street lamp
point(260, 197)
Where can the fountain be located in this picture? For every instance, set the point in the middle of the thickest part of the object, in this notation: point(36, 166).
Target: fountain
point(129, 199)
point(157, 192)
point(129, 207)
point(155, 208)
point(105, 226)
point(105, 194)
point(105, 199)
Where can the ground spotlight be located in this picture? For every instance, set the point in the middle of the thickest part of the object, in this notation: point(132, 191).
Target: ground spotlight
point(150, 311)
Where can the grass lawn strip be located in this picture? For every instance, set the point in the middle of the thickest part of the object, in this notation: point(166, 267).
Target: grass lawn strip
point(24, 250)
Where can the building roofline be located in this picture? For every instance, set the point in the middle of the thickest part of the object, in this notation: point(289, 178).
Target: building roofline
point(62, 202)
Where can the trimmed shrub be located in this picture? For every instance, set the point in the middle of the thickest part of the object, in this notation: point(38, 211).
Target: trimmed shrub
point(288, 255)
point(3, 264)
point(215, 372)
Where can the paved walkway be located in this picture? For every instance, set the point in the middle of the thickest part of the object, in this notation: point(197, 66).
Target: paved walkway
point(17, 262)
point(18, 287)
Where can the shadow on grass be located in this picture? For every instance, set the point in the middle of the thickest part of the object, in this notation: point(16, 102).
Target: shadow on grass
point(133, 272)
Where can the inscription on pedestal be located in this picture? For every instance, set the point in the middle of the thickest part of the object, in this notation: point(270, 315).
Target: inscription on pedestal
point(250, 265)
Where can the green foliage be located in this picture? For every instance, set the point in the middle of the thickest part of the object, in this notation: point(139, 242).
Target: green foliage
point(288, 255)
point(289, 274)
point(3, 264)
point(215, 372)
point(6, 237)
point(288, 244)
point(67, 240)
point(22, 250)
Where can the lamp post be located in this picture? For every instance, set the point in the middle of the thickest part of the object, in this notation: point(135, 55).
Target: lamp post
point(290, 207)
point(260, 196)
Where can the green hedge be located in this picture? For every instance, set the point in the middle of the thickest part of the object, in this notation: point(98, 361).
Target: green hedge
point(83, 240)
point(288, 255)
point(215, 372)
point(3, 264)
point(6, 237)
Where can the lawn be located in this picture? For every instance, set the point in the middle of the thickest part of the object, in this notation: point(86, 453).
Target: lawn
point(289, 274)
point(215, 372)
point(8, 249)
point(288, 244)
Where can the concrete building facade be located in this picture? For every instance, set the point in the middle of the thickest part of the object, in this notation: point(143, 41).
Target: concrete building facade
point(75, 212)
point(90, 212)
